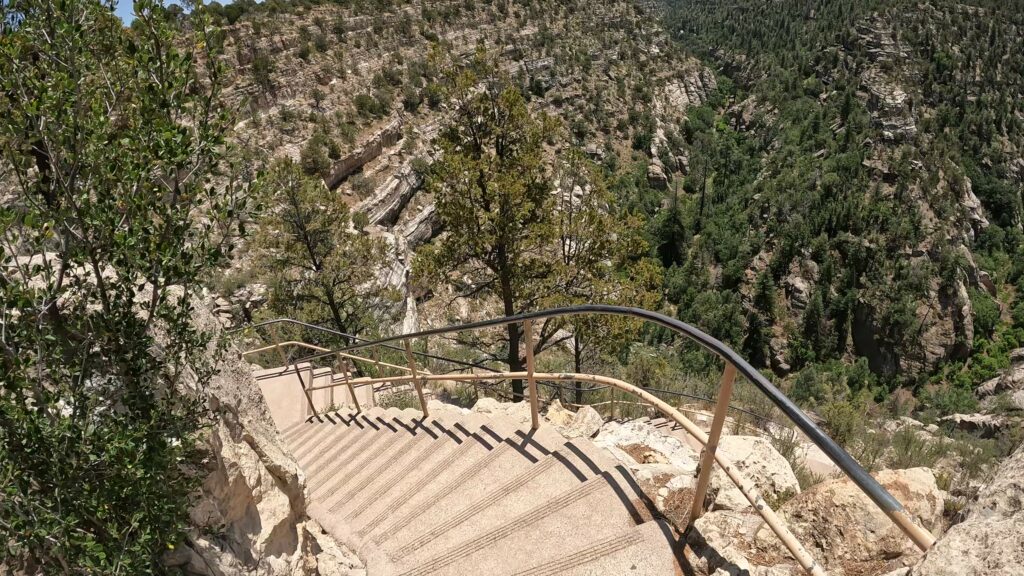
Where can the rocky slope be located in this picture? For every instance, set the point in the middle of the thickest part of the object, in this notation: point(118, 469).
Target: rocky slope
point(354, 94)
point(989, 540)
point(250, 514)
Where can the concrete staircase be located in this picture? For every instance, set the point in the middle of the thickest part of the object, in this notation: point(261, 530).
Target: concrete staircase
point(458, 494)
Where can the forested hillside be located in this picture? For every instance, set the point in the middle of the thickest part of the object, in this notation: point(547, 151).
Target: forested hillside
point(858, 189)
point(832, 189)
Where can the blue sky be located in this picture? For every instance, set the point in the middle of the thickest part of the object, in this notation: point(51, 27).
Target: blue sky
point(124, 10)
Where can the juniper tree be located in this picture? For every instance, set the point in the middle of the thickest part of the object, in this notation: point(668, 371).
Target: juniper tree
point(319, 268)
point(504, 230)
point(492, 193)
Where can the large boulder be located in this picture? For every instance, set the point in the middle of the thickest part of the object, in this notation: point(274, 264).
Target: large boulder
point(723, 545)
point(757, 460)
point(583, 423)
point(990, 542)
point(842, 527)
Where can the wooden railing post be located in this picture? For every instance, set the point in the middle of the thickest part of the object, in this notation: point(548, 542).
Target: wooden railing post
point(348, 382)
point(531, 381)
point(284, 362)
point(415, 377)
point(707, 457)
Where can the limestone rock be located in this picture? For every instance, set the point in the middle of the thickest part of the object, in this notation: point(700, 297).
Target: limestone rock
point(369, 151)
point(985, 425)
point(625, 439)
point(988, 542)
point(390, 198)
point(583, 423)
point(799, 291)
point(691, 89)
point(517, 411)
point(558, 415)
point(723, 541)
point(249, 516)
point(656, 176)
point(889, 105)
point(1018, 399)
point(840, 525)
point(756, 459)
point(422, 227)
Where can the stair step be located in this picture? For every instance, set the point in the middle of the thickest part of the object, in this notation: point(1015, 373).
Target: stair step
point(301, 434)
point(559, 472)
point(370, 432)
point(513, 454)
point(380, 442)
point(548, 531)
point(314, 441)
point(343, 435)
point(417, 488)
point(645, 550)
point(418, 437)
point(402, 474)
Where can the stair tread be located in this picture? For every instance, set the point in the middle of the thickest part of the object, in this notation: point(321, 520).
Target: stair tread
point(563, 470)
point(645, 550)
point(418, 489)
point(406, 473)
point(419, 437)
point(547, 529)
point(512, 456)
point(467, 493)
point(335, 465)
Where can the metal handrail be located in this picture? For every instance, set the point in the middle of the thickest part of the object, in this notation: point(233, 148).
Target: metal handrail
point(734, 364)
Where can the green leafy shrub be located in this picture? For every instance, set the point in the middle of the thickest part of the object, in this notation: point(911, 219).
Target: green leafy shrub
point(114, 136)
point(401, 399)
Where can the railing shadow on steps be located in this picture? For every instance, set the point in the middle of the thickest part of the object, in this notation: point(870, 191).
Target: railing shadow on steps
point(733, 364)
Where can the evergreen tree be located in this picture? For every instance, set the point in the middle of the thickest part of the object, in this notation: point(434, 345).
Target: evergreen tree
point(492, 193)
point(318, 268)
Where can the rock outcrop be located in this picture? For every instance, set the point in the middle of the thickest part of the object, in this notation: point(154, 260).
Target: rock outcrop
point(690, 90)
point(250, 514)
point(249, 517)
point(842, 528)
point(756, 459)
point(989, 541)
point(390, 198)
point(369, 151)
point(890, 104)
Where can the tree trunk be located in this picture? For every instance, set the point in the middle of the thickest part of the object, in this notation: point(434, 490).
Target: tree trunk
point(577, 350)
point(515, 364)
point(339, 323)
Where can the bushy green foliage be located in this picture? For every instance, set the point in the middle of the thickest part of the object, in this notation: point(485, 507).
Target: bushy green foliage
point(317, 270)
point(111, 140)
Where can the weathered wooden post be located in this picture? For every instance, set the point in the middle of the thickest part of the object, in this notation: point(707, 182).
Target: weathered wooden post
point(707, 457)
point(415, 377)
